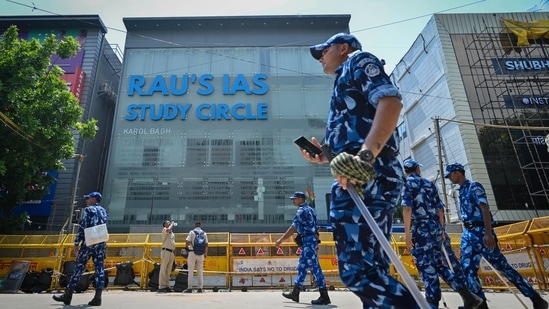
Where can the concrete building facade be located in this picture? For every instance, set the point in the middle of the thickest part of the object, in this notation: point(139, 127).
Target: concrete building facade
point(471, 79)
point(92, 76)
point(207, 112)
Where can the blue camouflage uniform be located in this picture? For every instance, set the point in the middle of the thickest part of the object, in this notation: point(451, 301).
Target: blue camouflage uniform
point(305, 225)
point(473, 248)
point(93, 215)
point(364, 268)
point(422, 196)
point(453, 259)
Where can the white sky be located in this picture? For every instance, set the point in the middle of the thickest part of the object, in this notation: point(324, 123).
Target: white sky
point(385, 28)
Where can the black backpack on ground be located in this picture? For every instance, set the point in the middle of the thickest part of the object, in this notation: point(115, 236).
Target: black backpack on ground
point(36, 282)
point(68, 270)
point(31, 277)
point(181, 280)
point(124, 274)
point(43, 282)
point(154, 277)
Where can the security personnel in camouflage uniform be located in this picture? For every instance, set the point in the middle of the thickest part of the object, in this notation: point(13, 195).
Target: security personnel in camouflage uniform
point(424, 237)
point(479, 239)
point(305, 225)
point(94, 214)
point(361, 130)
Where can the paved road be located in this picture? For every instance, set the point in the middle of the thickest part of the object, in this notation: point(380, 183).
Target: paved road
point(256, 299)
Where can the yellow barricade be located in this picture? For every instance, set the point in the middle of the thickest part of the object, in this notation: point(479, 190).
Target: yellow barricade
point(43, 251)
point(514, 247)
point(251, 260)
point(398, 243)
point(537, 237)
point(256, 262)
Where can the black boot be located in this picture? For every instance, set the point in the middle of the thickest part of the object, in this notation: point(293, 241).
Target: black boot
point(294, 295)
point(470, 300)
point(539, 303)
point(96, 300)
point(66, 297)
point(324, 299)
point(484, 305)
point(432, 303)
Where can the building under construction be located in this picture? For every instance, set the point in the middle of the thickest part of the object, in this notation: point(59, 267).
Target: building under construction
point(481, 81)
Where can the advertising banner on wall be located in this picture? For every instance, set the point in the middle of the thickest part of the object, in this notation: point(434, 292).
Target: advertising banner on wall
point(43, 206)
point(68, 65)
point(75, 82)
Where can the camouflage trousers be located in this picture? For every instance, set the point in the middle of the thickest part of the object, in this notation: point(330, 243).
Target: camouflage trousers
point(308, 259)
point(363, 266)
point(473, 249)
point(430, 259)
point(97, 253)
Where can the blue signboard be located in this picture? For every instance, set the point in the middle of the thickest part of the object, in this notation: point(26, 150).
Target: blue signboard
point(43, 206)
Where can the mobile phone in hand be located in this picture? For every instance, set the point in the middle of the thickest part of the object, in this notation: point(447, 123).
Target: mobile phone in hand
point(303, 143)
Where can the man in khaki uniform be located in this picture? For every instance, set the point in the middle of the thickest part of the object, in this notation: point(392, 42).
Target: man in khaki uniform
point(167, 257)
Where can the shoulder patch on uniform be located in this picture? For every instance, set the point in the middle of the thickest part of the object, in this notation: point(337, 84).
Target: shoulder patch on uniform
point(372, 70)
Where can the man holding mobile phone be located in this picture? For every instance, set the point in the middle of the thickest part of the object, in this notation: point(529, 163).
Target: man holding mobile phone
point(361, 133)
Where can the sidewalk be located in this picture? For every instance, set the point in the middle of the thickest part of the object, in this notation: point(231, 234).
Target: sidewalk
point(252, 299)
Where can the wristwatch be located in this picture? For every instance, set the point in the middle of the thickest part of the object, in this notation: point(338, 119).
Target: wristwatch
point(366, 155)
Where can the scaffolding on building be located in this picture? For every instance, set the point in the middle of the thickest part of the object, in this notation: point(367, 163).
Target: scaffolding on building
point(510, 87)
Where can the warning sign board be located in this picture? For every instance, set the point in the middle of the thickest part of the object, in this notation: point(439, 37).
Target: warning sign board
point(262, 280)
point(519, 261)
point(260, 265)
point(242, 280)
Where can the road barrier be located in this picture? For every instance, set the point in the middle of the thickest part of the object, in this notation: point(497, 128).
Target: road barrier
point(239, 261)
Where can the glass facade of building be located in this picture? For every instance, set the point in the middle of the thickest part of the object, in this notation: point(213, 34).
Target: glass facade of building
point(508, 93)
point(207, 134)
point(488, 98)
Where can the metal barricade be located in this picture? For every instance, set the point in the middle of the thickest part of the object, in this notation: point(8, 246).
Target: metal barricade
point(256, 262)
point(513, 245)
point(43, 252)
point(537, 237)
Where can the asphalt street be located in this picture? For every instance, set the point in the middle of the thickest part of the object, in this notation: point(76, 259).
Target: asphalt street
point(262, 299)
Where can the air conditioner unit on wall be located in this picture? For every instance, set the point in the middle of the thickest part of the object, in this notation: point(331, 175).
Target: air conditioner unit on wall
point(106, 87)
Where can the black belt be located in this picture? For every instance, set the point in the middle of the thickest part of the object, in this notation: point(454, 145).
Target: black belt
point(385, 152)
point(470, 225)
point(169, 250)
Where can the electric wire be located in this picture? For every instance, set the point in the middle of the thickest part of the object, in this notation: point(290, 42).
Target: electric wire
point(33, 7)
point(499, 126)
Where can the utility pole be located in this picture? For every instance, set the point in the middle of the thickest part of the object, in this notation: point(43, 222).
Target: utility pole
point(80, 158)
point(153, 193)
point(440, 168)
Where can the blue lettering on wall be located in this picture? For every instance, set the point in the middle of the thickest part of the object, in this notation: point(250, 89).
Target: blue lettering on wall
point(157, 112)
point(239, 111)
point(205, 82)
point(180, 85)
point(259, 80)
point(136, 83)
point(174, 85)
